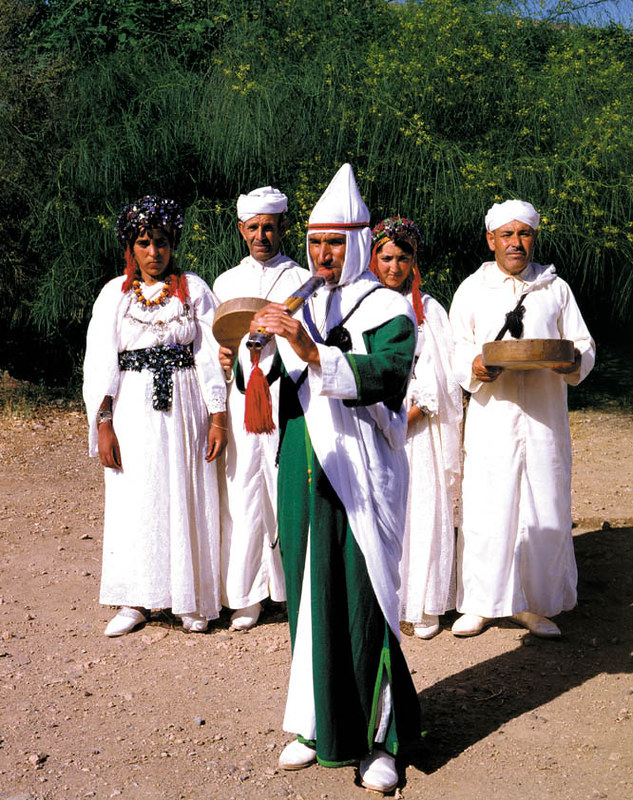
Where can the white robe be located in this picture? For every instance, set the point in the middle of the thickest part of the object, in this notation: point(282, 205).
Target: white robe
point(161, 524)
point(515, 549)
point(433, 449)
point(251, 568)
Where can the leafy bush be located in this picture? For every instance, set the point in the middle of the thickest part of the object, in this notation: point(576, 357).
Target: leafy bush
point(443, 107)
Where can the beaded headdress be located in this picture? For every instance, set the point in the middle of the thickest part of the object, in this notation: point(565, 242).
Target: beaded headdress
point(149, 212)
point(400, 229)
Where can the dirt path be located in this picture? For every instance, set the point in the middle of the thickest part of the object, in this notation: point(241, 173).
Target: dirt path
point(159, 715)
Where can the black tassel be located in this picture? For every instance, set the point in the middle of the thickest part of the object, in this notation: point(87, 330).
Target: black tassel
point(514, 321)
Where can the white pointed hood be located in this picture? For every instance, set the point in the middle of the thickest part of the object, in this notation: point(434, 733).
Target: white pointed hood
point(341, 209)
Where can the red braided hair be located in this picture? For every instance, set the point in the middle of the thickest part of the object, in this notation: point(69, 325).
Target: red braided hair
point(177, 281)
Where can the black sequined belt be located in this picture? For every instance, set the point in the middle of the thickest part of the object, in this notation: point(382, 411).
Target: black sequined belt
point(161, 360)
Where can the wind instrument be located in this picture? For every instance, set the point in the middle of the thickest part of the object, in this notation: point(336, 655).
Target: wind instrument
point(257, 340)
point(258, 409)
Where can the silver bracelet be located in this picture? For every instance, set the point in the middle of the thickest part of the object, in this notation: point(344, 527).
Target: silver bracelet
point(104, 416)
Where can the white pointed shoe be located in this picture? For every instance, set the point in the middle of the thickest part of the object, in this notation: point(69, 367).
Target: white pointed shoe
point(537, 625)
point(246, 618)
point(378, 772)
point(427, 628)
point(194, 623)
point(297, 755)
point(125, 621)
point(470, 625)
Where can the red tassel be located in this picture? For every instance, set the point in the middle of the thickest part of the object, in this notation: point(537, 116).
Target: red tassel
point(258, 410)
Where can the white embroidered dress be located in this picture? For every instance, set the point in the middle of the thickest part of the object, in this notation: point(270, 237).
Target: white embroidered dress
point(161, 525)
point(433, 449)
point(515, 550)
point(251, 568)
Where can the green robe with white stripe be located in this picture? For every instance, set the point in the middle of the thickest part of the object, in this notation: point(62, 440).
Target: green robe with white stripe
point(353, 649)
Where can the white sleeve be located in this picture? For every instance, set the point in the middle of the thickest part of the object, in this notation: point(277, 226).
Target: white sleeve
point(572, 326)
point(205, 346)
point(466, 348)
point(334, 377)
point(101, 362)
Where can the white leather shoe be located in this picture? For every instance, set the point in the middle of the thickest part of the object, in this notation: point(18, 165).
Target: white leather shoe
point(427, 628)
point(378, 772)
point(297, 755)
point(194, 623)
point(470, 625)
point(537, 625)
point(245, 618)
point(125, 621)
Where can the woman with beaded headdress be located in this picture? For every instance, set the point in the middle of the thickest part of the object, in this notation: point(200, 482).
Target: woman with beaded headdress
point(155, 398)
point(434, 408)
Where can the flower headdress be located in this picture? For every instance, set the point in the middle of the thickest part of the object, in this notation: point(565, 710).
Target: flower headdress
point(397, 230)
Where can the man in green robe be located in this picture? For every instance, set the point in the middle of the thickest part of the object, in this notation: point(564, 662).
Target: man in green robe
point(345, 364)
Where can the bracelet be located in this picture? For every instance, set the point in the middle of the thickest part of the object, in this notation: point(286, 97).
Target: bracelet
point(104, 416)
point(221, 427)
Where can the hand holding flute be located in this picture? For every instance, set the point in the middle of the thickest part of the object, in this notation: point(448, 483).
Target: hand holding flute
point(275, 319)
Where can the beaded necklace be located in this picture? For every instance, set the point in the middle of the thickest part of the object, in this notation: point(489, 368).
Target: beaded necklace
point(159, 300)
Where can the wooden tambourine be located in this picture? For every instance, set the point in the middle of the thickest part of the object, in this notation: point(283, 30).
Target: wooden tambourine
point(233, 319)
point(528, 353)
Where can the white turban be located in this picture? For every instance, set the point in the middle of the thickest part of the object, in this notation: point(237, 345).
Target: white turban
point(341, 209)
point(502, 213)
point(265, 200)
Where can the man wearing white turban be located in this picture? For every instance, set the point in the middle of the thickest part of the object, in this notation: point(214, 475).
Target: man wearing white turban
point(346, 361)
point(515, 549)
point(251, 567)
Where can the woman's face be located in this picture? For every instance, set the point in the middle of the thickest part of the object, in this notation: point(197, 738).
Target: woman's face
point(394, 265)
point(152, 253)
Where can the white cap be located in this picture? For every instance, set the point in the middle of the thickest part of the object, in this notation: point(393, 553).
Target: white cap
point(502, 213)
point(265, 200)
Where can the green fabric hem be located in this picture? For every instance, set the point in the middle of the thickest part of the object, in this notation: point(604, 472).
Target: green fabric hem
point(383, 666)
point(371, 728)
point(308, 742)
point(348, 763)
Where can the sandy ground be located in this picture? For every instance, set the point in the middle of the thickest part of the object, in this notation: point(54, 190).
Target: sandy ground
point(161, 715)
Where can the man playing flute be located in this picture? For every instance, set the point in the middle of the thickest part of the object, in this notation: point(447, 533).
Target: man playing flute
point(346, 362)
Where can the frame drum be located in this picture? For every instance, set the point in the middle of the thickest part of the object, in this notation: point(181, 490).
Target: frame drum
point(528, 353)
point(233, 319)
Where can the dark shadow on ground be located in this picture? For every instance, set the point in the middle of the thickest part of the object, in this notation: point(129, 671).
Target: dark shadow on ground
point(272, 613)
point(609, 386)
point(598, 637)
